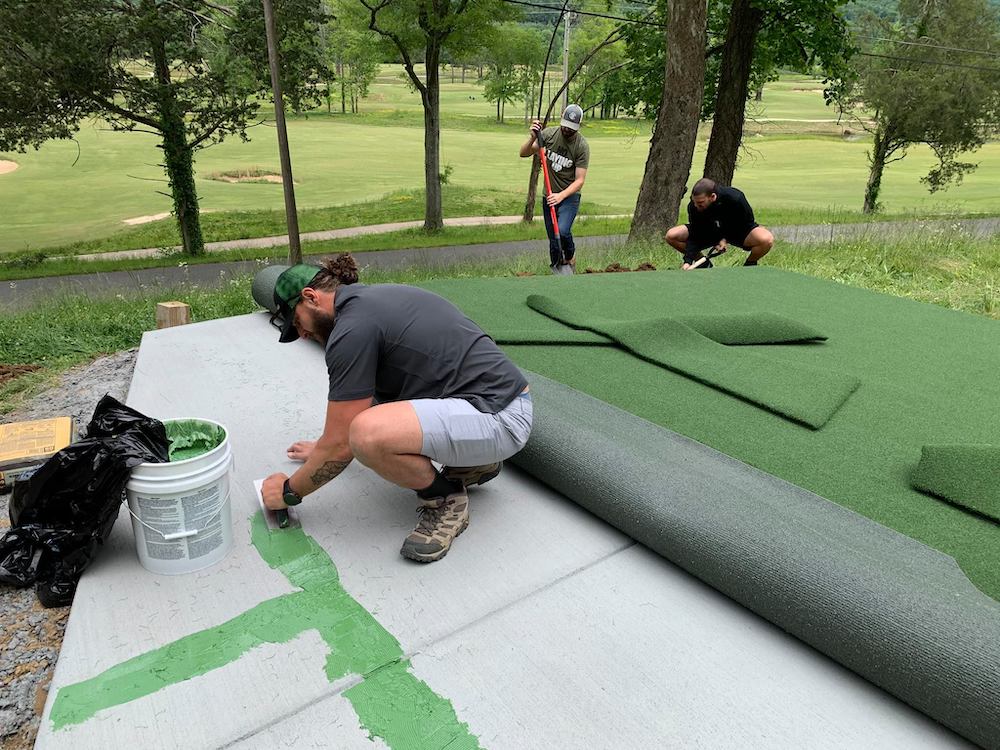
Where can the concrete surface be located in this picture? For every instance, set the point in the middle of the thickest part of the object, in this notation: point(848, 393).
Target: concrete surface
point(543, 627)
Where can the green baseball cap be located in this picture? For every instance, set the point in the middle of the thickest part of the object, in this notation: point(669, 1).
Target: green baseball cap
point(287, 294)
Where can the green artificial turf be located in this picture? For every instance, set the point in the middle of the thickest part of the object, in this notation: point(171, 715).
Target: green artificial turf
point(967, 475)
point(923, 371)
point(799, 392)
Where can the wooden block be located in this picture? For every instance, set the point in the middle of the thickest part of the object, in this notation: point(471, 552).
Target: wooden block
point(172, 314)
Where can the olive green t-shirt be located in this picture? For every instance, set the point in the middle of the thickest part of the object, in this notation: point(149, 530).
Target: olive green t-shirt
point(564, 157)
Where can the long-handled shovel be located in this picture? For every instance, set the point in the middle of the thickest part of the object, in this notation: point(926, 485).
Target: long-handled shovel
point(561, 267)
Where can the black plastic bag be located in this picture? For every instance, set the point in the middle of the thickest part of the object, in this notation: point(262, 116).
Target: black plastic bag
point(63, 513)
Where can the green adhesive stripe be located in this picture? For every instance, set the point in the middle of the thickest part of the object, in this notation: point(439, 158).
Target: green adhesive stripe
point(405, 713)
point(390, 701)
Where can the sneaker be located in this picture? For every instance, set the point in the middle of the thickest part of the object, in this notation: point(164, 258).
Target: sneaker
point(469, 475)
point(442, 519)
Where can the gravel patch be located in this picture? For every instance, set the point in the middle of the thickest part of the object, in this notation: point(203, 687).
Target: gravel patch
point(30, 635)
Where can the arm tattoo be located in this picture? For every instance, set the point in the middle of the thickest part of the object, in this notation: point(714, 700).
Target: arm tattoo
point(328, 471)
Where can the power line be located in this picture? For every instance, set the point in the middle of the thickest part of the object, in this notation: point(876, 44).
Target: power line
point(930, 62)
point(930, 46)
point(863, 54)
point(586, 13)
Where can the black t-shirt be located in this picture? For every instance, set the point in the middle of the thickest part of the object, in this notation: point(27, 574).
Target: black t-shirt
point(730, 216)
point(398, 343)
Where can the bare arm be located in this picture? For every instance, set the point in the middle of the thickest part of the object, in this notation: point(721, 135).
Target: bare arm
point(530, 146)
point(328, 458)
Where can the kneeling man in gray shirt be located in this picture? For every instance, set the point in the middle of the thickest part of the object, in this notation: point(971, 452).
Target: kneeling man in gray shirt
point(412, 380)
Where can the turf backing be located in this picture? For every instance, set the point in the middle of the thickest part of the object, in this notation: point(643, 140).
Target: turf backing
point(922, 370)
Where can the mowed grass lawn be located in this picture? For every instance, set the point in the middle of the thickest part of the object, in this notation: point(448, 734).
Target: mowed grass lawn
point(70, 191)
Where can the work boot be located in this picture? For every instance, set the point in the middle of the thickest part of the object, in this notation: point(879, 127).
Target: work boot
point(469, 475)
point(441, 520)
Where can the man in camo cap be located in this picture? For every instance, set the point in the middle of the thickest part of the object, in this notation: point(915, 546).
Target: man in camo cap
point(412, 380)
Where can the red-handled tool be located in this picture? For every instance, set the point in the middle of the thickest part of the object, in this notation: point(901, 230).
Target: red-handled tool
point(562, 267)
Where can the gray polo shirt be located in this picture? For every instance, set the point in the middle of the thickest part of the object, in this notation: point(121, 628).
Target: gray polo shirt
point(398, 343)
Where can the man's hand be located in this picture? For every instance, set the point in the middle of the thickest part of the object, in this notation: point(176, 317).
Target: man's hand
point(272, 491)
point(536, 126)
point(554, 199)
point(722, 246)
point(300, 450)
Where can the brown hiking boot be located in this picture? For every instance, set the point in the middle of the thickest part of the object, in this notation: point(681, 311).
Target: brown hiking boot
point(441, 520)
point(469, 475)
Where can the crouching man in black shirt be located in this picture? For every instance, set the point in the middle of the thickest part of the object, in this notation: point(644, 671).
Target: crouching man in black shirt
point(719, 216)
point(412, 380)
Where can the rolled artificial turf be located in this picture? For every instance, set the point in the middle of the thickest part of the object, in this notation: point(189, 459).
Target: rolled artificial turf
point(922, 371)
point(893, 610)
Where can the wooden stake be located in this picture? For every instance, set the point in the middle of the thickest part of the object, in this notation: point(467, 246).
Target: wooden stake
point(170, 314)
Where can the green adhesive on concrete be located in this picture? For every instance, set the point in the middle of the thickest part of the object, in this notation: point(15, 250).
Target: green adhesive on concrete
point(404, 712)
point(192, 437)
point(391, 702)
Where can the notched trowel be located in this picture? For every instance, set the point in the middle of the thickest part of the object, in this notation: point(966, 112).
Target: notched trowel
point(286, 518)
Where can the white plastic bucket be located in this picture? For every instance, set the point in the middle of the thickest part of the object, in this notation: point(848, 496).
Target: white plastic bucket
point(180, 510)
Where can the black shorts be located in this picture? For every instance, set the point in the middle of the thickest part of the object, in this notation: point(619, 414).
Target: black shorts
point(733, 236)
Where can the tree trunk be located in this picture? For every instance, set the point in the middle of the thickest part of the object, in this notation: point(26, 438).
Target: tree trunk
point(731, 98)
point(759, 96)
point(343, 93)
point(463, 74)
point(529, 202)
point(433, 217)
point(876, 162)
point(177, 156)
point(672, 147)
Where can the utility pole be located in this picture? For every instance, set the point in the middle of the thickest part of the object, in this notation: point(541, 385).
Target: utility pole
point(566, 22)
point(291, 216)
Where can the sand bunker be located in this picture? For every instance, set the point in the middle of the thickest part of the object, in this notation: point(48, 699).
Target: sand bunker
point(145, 219)
point(7, 166)
point(261, 178)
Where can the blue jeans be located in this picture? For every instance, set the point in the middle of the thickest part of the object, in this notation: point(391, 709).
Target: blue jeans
point(565, 215)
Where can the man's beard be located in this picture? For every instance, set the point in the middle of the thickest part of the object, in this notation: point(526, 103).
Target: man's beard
point(322, 326)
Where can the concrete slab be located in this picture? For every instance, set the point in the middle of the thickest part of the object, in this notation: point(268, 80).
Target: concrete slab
point(542, 627)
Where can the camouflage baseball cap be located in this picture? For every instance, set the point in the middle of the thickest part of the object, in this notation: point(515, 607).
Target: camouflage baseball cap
point(287, 294)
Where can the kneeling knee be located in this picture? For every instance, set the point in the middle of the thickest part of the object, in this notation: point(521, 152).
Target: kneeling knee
point(364, 437)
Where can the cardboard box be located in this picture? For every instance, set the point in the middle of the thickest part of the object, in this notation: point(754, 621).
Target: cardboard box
point(24, 446)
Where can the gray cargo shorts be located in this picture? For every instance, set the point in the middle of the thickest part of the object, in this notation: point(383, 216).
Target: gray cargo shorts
point(455, 433)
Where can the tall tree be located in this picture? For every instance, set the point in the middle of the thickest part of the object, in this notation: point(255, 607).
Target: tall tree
point(926, 84)
point(188, 71)
point(762, 36)
point(672, 148)
point(459, 25)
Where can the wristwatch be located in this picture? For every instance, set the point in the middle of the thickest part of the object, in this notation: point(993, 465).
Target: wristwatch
point(290, 496)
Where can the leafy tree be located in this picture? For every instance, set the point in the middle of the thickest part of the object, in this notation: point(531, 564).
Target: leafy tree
point(920, 87)
point(418, 30)
point(514, 55)
point(188, 71)
point(760, 37)
point(596, 86)
point(353, 54)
